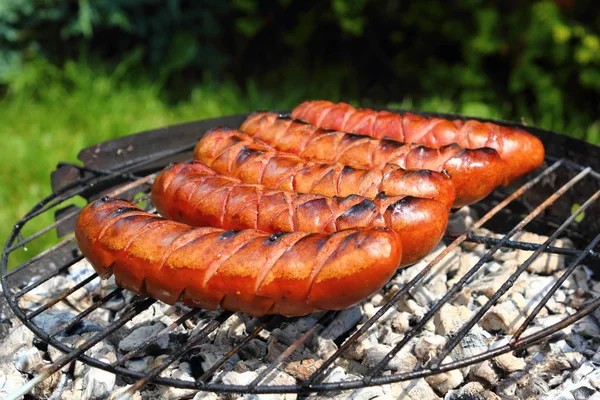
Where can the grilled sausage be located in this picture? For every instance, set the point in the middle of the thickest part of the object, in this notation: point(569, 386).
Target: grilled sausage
point(521, 151)
point(231, 152)
point(249, 271)
point(475, 172)
point(194, 194)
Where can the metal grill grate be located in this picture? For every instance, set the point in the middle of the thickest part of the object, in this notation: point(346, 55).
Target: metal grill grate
point(131, 177)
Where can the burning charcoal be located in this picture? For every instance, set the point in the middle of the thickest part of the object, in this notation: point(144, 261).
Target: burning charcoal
point(140, 364)
point(403, 361)
point(583, 393)
point(464, 263)
point(449, 319)
point(256, 348)
point(388, 316)
point(401, 322)
point(529, 386)
point(545, 263)
point(445, 381)
point(425, 296)
point(343, 322)
point(388, 336)
point(411, 306)
point(583, 371)
point(335, 374)
point(356, 350)
point(485, 372)
point(234, 378)
point(29, 361)
point(210, 354)
point(587, 327)
point(207, 396)
point(463, 298)
point(139, 335)
point(366, 393)
point(98, 383)
point(417, 389)
point(352, 367)
point(275, 348)
point(369, 310)
point(183, 372)
point(153, 313)
point(448, 262)
point(429, 347)
point(324, 348)
point(510, 363)
point(231, 329)
point(52, 321)
point(10, 379)
point(301, 370)
point(506, 316)
point(461, 220)
point(377, 299)
point(278, 377)
point(472, 390)
point(489, 284)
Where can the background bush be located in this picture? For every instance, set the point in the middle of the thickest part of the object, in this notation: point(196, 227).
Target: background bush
point(77, 72)
point(538, 59)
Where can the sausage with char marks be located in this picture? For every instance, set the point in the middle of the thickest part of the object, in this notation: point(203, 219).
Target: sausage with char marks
point(250, 271)
point(521, 151)
point(194, 194)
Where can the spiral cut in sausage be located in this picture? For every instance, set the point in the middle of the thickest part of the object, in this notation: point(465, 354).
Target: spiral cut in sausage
point(236, 154)
point(194, 194)
point(250, 271)
point(475, 172)
point(521, 151)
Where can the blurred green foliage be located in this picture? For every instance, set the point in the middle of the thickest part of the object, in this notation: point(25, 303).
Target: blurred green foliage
point(539, 59)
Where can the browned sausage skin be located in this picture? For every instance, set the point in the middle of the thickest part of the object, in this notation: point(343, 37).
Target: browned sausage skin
point(194, 194)
point(249, 271)
point(475, 172)
point(521, 151)
point(231, 152)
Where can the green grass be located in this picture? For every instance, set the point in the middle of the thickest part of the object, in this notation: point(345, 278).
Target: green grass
point(49, 114)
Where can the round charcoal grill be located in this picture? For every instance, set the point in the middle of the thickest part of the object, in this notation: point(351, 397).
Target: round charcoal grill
point(542, 201)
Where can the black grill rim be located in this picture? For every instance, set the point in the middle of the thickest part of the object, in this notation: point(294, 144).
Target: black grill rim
point(590, 153)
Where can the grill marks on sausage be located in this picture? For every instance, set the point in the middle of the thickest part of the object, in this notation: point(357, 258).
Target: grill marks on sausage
point(233, 203)
point(288, 172)
point(476, 172)
point(240, 270)
point(521, 151)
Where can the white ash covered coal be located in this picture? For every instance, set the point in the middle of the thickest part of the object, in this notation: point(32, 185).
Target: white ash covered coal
point(565, 365)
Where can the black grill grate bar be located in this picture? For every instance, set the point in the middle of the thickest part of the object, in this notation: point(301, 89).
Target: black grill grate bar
point(71, 238)
point(458, 286)
point(86, 312)
point(491, 241)
point(513, 278)
point(47, 277)
point(319, 373)
point(191, 313)
point(61, 296)
point(57, 197)
point(84, 184)
point(99, 171)
point(68, 240)
point(262, 325)
point(39, 233)
point(191, 342)
point(324, 320)
point(585, 253)
point(133, 310)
